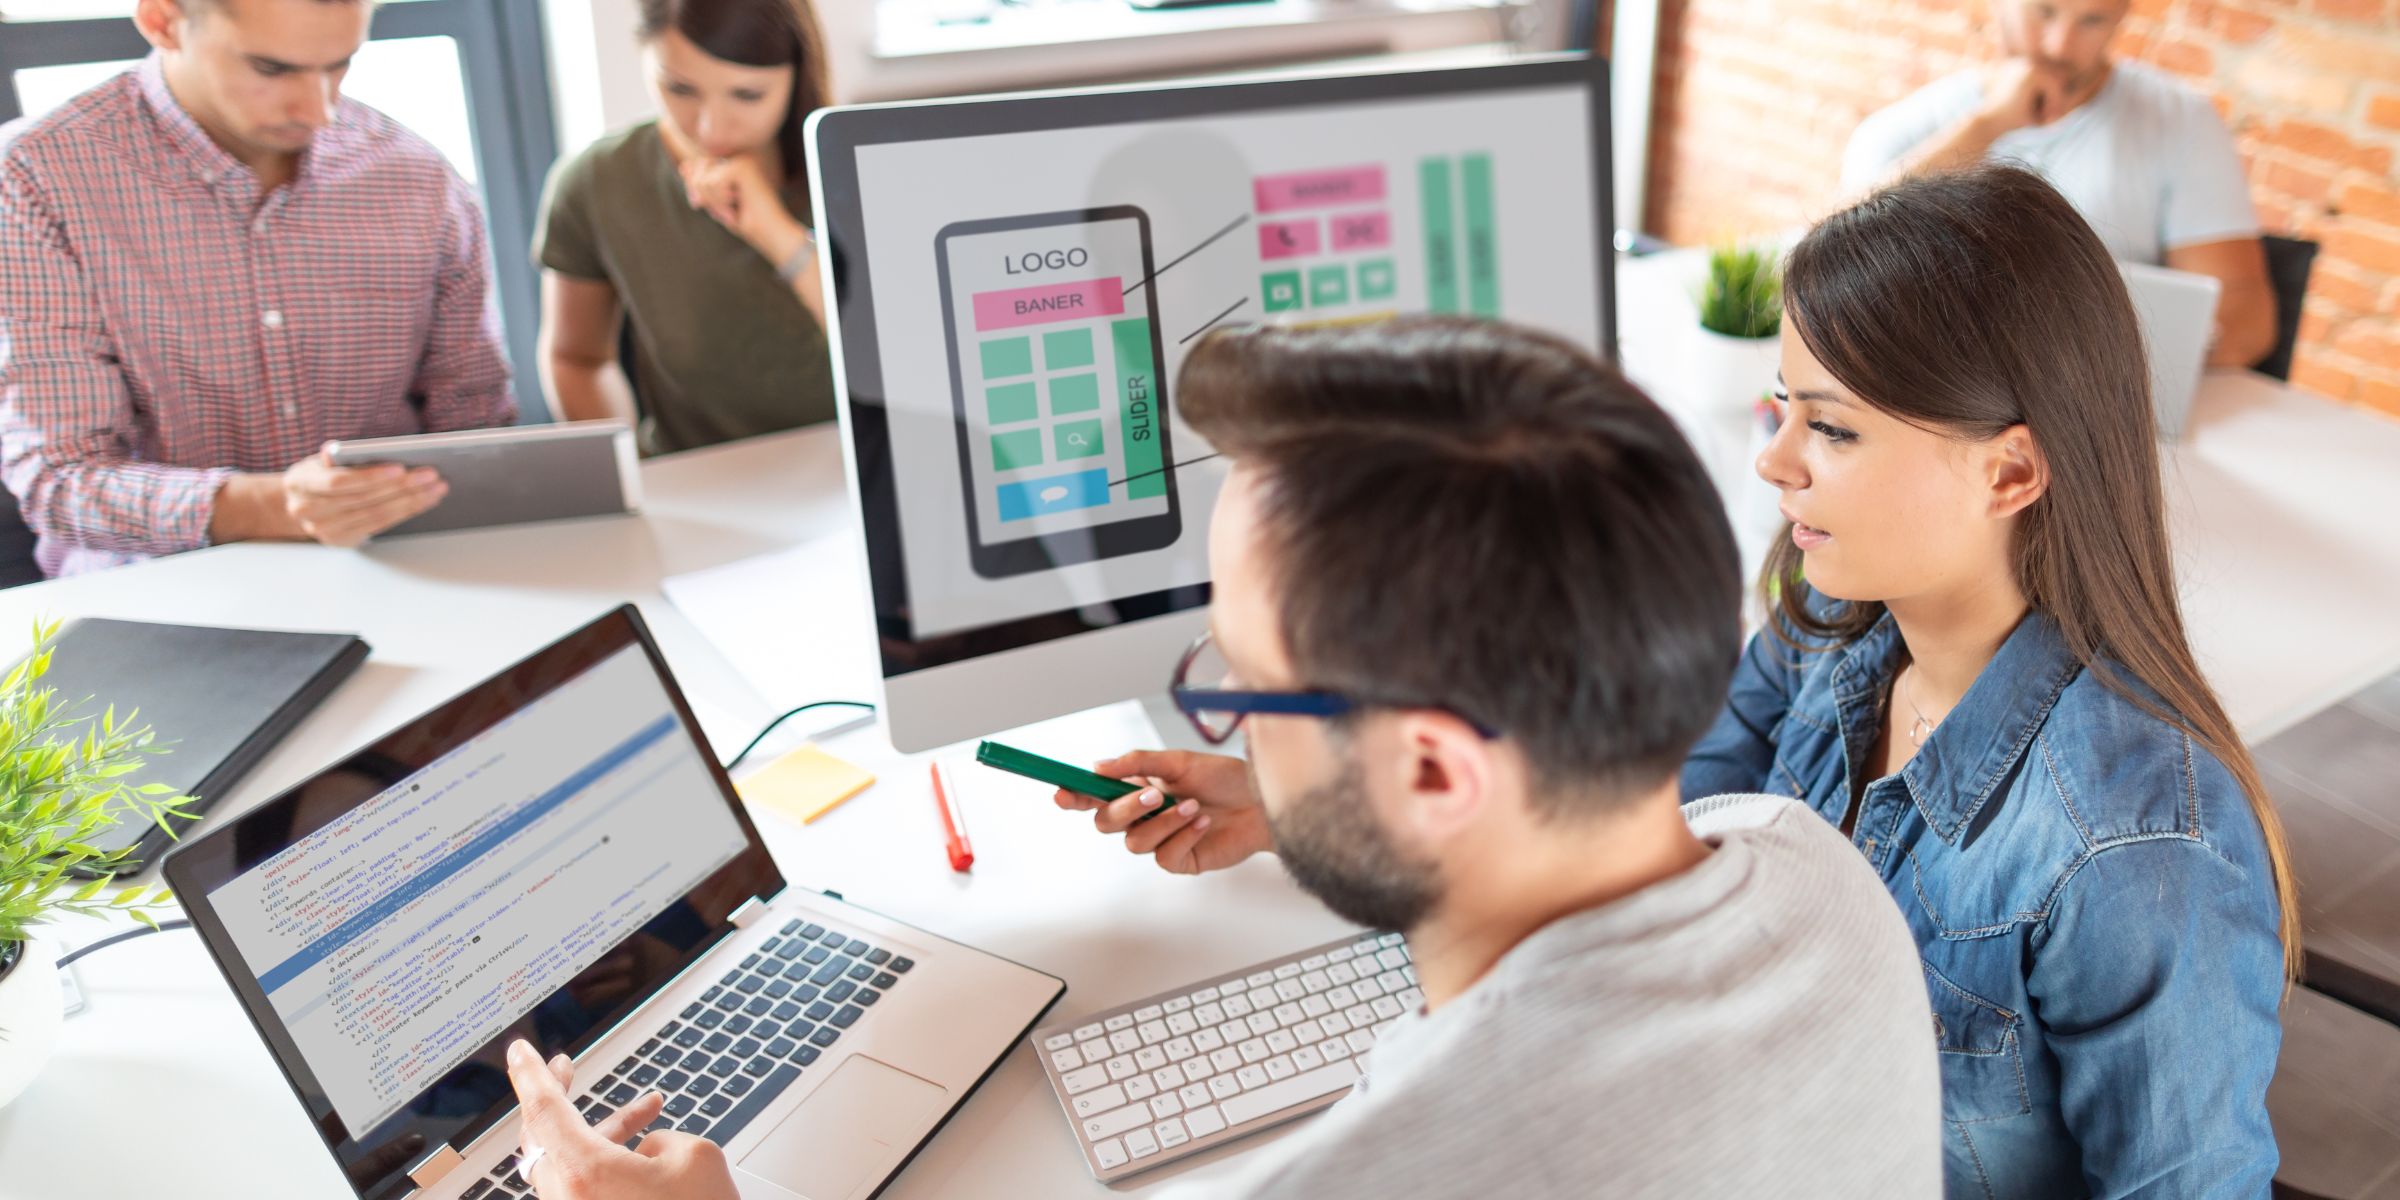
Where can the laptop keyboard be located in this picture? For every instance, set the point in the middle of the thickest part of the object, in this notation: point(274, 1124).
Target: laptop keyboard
point(1170, 1076)
point(727, 1055)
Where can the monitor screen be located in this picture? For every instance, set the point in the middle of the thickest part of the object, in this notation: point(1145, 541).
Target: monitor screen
point(1017, 280)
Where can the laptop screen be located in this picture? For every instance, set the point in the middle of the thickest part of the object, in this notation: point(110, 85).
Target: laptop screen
point(532, 860)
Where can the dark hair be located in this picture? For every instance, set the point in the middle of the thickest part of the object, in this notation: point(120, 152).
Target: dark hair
point(757, 33)
point(1490, 519)
point(1972, 301)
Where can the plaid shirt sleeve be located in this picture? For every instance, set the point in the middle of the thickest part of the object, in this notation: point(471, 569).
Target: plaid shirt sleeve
point(66, 419)
point(464, 375)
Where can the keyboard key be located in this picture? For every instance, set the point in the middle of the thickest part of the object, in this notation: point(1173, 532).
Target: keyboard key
point(1203, 1121)
point(690, 1037)
point(1252, 1076)
point(1170, 1134)
point(831, 971)
point(1165, 1104)
point(1093, 1103)
point(1148, 1012)
point(761, 1066)
point(745, 1048)
point(738, 1025)
point(1179, 1004)
point(644, 1075)
point(900, 965)
point(679, 1105)
point(1193, 1095)
point(622, 1095)
point(1360, 1040)
point(768, 946)
point(806, 1055)
point(1224, 1085)
point(1260, 979)
point(715, 1106)
point(1064, 1058)
point(771, 968)
point(779, 989)
point(673, 1081)
point(1280, 1067)
point(1140, 1144)
point(781, 1047)
point(1308, 1058)
point(666, 1056)
point(820, 1010)
point(696, 1060)
point(793, 926)
point(855, 948)
point(1282, 1042)
point(749, 961)
point(766, 1031)
point(840, 991)
point(716, 1043)
point(1082, 1079)
point(751, 1105)
point(694, 1124)
point(702, 1086)
point(866, 996)
point(1152, 1032)
point(737, 1087)
point(1120, 1021)
point(1299, 1089)
point(790, 950)
point(826, 1035)
point(848, 1016)
point(583, 1102)
point(786, 1011)
point(1139, 1087)
point(759, 1006)
point(1110, 1154)
point(862, 972)
point(799, 1032)
point(815, 955)
point(710, 1019)
point(483, 1187)
point(1334, 1048)
point(813, 930)
point(884, 980)
point(1204, 995)
point(879, 956)
point(1120, 1067)
point(805, 994)
point(1149, 1058)
point(1110, 1124)
point(1168, 1077)
point(833, 937)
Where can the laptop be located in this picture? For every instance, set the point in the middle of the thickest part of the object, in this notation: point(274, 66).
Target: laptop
point(555, 855)
point(2178, 312)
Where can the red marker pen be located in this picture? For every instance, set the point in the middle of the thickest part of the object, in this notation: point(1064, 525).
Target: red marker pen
point(954, 822)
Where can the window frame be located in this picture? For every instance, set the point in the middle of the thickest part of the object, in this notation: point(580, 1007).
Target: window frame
point(505, 64)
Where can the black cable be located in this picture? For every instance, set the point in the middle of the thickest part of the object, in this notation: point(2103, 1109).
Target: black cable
point(736, 760)
point(127, 936)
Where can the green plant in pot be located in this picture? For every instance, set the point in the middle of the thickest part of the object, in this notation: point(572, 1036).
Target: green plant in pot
point(65, 777)
point(1736, 349)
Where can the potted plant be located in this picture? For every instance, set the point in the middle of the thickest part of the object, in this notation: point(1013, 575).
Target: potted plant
point(63, 779)
point(1741, 318)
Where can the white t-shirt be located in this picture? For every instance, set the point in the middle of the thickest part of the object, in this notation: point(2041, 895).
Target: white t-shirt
point(2147, 161)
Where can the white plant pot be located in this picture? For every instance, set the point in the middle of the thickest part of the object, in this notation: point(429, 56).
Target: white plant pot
point(31, 1010)
point(1731, 374)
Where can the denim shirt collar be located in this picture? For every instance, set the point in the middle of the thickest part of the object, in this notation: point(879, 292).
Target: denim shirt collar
point(1980, 742)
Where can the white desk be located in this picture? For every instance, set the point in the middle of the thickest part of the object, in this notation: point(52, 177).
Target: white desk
point(2288, 519)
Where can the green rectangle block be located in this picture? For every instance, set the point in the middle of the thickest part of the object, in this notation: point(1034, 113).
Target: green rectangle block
point(1441, 249)
point(1483, 238)
point(1074, 394)
point(1328, 285)
point(1077, 439)
point(1281, 289)
point(1016, 449)
point(1375, 279)
point(1012, 402)
point(1066, 349)
point(1141, 409)
point(1007, 356)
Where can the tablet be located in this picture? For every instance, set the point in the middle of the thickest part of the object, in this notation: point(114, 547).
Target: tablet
point(512, 475)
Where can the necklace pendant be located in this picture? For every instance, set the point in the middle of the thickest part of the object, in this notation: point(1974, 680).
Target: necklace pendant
point(1919, 730)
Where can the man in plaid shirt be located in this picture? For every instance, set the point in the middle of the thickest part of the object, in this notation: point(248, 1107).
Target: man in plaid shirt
point(211, 266)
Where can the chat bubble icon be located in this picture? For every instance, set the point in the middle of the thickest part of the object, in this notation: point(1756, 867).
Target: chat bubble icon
point(1054, 494)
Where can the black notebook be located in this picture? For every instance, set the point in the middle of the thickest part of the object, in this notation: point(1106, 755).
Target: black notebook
point(218, 699)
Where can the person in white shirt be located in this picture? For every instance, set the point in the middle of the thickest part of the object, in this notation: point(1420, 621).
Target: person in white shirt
point(1480, 599)
point(2143, 157)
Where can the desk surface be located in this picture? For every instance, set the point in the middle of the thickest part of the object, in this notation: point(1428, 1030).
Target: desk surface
point(2285, 508)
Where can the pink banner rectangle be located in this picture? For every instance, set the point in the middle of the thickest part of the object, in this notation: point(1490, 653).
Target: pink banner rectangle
point(1079, 301)
point(1319, 189)
point(1361, 231)
point(1288, 239)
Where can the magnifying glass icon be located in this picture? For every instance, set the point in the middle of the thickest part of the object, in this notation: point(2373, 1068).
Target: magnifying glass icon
point(1076, 439)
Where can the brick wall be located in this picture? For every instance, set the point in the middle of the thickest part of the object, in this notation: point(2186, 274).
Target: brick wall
point(1757, 97)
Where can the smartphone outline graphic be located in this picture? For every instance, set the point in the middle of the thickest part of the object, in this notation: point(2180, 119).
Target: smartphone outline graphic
point(1088, 543)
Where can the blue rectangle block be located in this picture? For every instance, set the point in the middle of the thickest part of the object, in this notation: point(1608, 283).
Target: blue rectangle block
point(1055, 494)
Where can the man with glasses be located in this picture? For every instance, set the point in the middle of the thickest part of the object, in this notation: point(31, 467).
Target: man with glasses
point(212, 265)
point(1474, 599)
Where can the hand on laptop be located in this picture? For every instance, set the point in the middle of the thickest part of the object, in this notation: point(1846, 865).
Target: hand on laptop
point(343, 506)
point(1216, 822)
point(587, 1162)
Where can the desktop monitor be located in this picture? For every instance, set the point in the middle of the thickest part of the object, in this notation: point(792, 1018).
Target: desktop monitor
point(1013, 282)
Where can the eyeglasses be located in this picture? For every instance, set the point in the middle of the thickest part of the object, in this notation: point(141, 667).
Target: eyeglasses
point(1217, 712)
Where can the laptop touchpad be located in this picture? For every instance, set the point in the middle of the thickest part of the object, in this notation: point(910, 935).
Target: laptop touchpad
point(859, 1123)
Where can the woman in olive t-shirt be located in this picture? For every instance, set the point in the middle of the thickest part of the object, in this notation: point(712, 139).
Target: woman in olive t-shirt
point(679, 275)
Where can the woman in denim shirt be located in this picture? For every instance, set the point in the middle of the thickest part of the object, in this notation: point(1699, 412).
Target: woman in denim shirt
point(1984, 682)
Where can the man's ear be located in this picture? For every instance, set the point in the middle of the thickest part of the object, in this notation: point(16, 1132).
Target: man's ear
point(1444, 772)
point(162, 22)
point(2016, 473)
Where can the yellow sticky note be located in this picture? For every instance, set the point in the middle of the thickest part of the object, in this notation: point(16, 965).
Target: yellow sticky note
point(804, 784)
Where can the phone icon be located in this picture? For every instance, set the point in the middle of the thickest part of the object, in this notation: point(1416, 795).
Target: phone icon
point(1058, 397)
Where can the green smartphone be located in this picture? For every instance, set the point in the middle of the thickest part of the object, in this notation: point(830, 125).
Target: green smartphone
point(1061, 775)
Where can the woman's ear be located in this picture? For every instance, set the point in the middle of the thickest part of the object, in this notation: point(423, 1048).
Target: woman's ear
point(2015, 471)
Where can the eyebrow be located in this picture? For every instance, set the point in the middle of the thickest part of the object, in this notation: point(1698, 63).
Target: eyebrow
point(1811, 395)
point(276, 64)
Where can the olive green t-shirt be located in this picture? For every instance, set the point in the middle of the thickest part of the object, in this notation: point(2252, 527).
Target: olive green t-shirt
point(721, 348)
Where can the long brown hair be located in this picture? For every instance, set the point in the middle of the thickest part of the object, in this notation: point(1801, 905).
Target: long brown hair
point(1968, 302)
point(757, 33)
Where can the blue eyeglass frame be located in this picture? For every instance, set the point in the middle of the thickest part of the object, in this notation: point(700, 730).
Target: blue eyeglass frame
point(1240, 703)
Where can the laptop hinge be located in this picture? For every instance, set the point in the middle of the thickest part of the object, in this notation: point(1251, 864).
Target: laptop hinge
point(436, 1165)
point(749, 913)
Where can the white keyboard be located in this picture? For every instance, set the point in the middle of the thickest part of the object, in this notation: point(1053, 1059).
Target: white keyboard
point(1183, 1071)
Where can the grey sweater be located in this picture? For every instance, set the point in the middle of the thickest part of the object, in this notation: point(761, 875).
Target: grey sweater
point(1756, 1026)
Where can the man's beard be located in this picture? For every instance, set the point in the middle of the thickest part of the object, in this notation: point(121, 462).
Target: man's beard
point(1331, 843)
